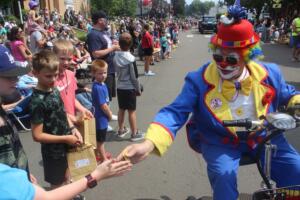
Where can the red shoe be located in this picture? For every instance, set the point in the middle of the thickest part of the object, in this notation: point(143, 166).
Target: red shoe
point(100, 160)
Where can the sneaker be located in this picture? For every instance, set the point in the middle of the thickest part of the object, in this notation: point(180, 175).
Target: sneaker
point(114, 118)
point(149, 73)
point(138, 136)
point(109, 128)
point(79, 197)
point(123, 133)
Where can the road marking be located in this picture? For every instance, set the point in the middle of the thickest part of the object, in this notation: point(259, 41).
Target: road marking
point(190, 36)
point(207, 36)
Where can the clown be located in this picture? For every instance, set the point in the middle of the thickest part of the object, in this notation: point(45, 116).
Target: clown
point(233, 86)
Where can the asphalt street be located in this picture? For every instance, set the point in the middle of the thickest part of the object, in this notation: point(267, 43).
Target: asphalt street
point(181, 172)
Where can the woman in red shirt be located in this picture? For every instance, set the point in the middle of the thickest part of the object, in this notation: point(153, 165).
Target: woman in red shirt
point(147, 45)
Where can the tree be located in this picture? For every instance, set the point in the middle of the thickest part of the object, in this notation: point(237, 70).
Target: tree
point(178, 7)
point(288, 7)
point(198, 7)
point(5, 3)
point(115, 7)
point(206, 6)
point(195, 7)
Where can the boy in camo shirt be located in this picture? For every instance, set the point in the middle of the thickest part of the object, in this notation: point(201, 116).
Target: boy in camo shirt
point(49, 122)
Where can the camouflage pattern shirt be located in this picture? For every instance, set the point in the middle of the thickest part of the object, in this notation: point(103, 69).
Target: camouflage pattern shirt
point(47, 108)
point(11, 149)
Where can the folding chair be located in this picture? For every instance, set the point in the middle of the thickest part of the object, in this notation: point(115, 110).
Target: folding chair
point(20, 113)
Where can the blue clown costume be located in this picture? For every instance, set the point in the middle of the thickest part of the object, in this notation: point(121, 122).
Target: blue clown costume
point(202, 103)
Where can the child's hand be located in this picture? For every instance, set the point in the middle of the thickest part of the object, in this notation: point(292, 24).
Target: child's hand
point(76, 133)
point(87, 114)
point(72, 140)
point(111, 168)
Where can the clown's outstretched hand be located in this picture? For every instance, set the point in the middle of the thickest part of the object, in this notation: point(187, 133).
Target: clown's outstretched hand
point(136, 152)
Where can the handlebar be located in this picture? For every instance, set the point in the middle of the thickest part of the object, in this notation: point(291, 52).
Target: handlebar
point(247, 123)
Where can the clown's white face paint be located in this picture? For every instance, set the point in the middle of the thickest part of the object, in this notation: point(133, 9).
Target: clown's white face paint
point(226, 70)
point(229, 72)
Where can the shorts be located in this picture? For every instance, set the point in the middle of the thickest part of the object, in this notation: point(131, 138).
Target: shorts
point(148, 51)
point(164, 49)
point(101, 135)
point(111, 85)
point(126, 99)
point(296, 41)
point(54, 169)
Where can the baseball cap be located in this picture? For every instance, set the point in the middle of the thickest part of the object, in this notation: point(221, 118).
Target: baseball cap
point(8, 67)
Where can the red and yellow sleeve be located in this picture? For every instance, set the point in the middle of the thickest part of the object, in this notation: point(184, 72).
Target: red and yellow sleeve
point(160, 136)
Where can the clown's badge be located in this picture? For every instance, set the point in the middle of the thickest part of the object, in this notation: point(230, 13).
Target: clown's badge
point(215, 103)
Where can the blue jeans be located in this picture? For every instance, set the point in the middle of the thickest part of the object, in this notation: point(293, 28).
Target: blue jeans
point(85, 99)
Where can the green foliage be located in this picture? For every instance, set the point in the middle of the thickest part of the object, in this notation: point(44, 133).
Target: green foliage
point(12, 18)
point(81, 35)
point(178, 7)
point(198, 7)
point(5, 3)
point(287, 6)
point(115, 7)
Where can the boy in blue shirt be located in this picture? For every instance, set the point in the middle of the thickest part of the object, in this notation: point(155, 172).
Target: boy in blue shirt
point(100, 98)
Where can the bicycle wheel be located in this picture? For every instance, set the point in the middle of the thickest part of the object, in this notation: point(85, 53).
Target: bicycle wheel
point(284, 193)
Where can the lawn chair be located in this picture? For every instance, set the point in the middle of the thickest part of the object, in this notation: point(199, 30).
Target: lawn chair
point(20, 114)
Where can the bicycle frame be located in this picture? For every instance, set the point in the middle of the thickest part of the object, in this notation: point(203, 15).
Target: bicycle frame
point(269, 190)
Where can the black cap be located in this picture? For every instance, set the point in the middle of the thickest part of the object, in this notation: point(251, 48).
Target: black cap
point(97, 15)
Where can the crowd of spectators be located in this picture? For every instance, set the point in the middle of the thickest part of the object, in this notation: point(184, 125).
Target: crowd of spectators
point(152, 40)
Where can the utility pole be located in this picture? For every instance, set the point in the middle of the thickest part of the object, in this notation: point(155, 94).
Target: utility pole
point(20, 12)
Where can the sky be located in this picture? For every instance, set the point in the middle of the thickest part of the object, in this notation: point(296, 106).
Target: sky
point(190, 1)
